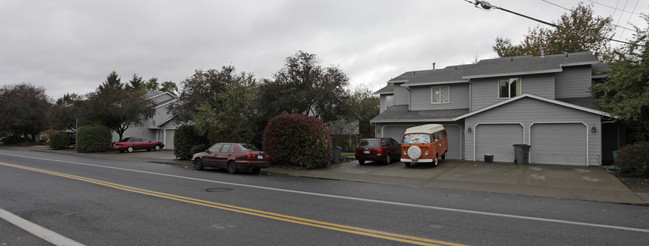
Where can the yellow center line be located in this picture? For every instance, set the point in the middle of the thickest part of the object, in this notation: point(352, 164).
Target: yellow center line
point(249, 211)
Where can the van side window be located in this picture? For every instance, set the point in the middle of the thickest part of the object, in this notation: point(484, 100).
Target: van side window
point(444, 134)
point(435, 137)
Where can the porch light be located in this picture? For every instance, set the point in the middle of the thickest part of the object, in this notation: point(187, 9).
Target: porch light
point(469, 130)
point(593, 129)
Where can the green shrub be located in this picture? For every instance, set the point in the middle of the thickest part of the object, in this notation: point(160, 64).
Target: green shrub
point(198, 148)
point(59, 140)
point(297, 139)
point(13, 139)
point(93, 138)
point(633, 160)
point(185, 138)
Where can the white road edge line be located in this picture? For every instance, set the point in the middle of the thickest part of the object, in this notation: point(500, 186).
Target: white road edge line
point(358, 199)
point(37, 230)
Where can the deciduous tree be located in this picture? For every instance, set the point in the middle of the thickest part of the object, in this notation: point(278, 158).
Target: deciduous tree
point(24, 109)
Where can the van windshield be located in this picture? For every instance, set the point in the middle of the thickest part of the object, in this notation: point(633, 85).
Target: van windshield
point(416, 138)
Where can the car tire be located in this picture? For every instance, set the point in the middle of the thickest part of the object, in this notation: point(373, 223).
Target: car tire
point(130, 149)
point(232, 167)
point(388, 159)
point(198, 164)
point(157, 147)
point(361, 162)
point(407, 164)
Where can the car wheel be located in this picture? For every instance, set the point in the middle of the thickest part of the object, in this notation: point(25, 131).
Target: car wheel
point(157, 148)
point(130, 149)
point(361, 162)
point(198, 164)
point(435, 161)
point(407, 164)
point(232, 167)
point(388, 159)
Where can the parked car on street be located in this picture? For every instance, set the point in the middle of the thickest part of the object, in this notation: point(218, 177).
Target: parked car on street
point(131, 144)
point(233, 157)
point(377, 149)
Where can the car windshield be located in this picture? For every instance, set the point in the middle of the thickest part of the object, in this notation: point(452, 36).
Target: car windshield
point(248, 147)
point(369, 143)
point(416, 138)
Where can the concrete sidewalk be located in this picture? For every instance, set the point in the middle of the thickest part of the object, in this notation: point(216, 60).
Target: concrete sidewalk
point(551, 181)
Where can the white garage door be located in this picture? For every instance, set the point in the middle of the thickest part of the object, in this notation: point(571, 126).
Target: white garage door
point(558, 144)
point(498, 140)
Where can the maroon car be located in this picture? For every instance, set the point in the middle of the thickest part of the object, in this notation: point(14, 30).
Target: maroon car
point(233, 157)
point(378, 149)
point(136, 143)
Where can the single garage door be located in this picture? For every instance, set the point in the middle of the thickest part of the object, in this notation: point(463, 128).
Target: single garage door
point(498, 140)
point(454, 143)
point(395, 132)
point(558, 144)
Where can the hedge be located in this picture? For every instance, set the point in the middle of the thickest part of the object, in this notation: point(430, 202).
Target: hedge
point(297, 139)
point(185, 138)
point(633, 160)
point(59, 140)
point(93, 138)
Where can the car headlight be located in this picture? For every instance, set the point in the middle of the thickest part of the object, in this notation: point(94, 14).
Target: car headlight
point(426, 153)
point(405, 152)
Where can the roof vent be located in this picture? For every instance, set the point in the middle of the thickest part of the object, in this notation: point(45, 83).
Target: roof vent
point(433, 66)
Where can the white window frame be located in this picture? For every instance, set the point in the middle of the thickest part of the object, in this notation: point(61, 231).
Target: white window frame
point(440, 88)
point(511, 81)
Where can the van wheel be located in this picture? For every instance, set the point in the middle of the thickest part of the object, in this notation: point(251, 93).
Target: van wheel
point(407, 164)
point(444, 156)
point(435, 161)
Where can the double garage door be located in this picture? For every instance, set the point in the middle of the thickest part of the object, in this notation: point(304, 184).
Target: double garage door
point(551, 143)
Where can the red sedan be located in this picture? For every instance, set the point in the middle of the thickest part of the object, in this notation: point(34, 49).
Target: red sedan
point(136, 143)
point(233, 157)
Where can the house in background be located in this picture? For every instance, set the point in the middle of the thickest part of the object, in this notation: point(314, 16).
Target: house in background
point(159, 128)
point(487, 107)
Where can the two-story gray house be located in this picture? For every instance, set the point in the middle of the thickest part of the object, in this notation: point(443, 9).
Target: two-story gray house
point(159, 128)
point(489, 106)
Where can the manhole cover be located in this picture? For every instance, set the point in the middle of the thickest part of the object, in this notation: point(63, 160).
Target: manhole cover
point(218, 189)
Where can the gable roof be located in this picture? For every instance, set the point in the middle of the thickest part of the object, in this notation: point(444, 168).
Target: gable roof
point(388, 89)
point(526, 95)
point(522, 65)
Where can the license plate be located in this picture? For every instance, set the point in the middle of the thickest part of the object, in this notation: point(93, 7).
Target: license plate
point(367, 152)
point(260, 157)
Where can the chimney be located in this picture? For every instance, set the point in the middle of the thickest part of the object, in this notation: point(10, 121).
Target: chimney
point(433, 66)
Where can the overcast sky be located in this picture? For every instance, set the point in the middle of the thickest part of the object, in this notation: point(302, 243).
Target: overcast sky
point(70, 46)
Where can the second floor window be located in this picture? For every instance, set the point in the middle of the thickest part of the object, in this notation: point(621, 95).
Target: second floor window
point(389, 101)
point(439, 94)
point(509, 88)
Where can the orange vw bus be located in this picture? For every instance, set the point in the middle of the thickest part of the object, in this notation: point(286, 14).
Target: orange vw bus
point(424, 144)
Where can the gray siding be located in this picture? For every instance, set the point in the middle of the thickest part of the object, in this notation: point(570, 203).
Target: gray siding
point(573, 82)
point(401, 95)
point(382, 104)
point(421, 98)
point(484, 92)
point(529, 112)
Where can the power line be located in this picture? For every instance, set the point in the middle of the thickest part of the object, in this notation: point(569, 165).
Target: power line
point(611, 7)
point(487, 6)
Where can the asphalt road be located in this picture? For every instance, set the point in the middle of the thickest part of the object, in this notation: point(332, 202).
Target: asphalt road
point(107, 202)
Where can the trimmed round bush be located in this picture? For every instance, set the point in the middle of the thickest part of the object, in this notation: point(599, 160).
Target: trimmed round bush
point(297, 139)
point(185, 138)
point(633, 160)
point(93, 138)
point(59, 140)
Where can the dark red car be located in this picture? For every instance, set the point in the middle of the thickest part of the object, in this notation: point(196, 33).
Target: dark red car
point(378, 149)
point(233, 157)
point(131, 144)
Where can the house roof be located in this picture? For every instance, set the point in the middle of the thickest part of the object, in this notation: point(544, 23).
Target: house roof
point(587, 102)
point(526, 95)
point(497, 67)
point(400, 113)
point(522, 65)
point(388, 89)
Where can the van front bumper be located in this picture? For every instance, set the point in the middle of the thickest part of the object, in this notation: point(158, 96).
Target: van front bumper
point(418, 160)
